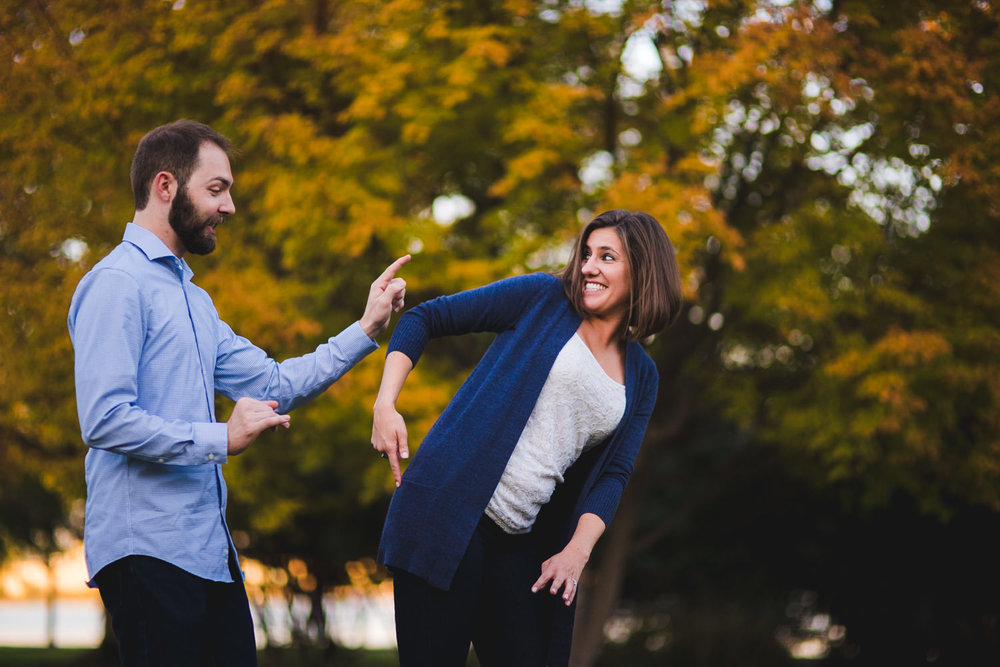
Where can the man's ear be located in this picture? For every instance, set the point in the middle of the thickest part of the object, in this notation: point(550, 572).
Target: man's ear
point(164, 187)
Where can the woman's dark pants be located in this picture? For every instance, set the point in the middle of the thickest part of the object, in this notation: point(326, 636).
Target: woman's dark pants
point(489, 605)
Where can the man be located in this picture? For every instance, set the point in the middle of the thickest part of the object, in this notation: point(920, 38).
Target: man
point(151, 352)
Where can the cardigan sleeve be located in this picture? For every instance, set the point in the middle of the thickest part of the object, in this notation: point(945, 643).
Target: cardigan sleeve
point(607, 491)
point(494, 307)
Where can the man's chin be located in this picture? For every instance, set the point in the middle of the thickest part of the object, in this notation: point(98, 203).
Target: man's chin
point(202, 246)
point(202, 249)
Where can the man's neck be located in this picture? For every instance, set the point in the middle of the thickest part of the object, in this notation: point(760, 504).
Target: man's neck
point(158, 224)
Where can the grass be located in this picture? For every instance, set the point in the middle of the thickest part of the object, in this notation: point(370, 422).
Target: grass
point(39, 657)
point(275, 657)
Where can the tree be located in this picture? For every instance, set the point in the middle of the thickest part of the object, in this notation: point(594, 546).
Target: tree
point(825, 169)
point(844, 291)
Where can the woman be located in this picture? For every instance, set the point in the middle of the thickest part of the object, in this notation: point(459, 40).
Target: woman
point(489, 531)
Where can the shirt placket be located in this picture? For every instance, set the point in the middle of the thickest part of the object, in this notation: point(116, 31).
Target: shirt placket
point(209, 402)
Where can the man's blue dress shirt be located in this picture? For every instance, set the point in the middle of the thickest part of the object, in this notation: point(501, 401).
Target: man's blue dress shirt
point(151, 352)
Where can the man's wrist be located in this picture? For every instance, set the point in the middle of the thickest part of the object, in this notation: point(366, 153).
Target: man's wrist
point(370, 328)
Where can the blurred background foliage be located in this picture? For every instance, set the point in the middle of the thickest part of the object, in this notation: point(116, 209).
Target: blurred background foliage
point(820, 478)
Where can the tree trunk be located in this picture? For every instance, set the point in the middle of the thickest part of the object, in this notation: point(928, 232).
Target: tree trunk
point(50, 604)
point(601, 594)
point(316, 624)
point(262, 617)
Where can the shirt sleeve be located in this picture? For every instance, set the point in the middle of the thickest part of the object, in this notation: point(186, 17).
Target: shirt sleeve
point(243, 369)
point(107, 327)
point(494, 307)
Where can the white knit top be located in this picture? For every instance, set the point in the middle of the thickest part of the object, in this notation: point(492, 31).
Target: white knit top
point(578, 407)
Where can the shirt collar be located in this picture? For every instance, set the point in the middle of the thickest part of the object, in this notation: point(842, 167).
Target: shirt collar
point(151, 246)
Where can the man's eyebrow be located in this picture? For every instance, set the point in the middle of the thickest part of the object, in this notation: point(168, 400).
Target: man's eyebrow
point(225, 181)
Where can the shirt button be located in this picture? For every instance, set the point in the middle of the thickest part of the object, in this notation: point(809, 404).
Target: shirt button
point(160, 460)
point(211, 457)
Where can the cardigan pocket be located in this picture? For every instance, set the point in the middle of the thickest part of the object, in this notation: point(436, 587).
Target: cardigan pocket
point(419, 534)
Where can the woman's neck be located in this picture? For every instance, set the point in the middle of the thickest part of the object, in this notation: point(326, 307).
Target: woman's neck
point(599, 332)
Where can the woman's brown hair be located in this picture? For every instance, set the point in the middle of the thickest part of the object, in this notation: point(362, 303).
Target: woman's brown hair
point(655, 279)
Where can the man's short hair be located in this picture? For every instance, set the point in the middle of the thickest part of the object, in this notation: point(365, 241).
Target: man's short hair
point(173, 148)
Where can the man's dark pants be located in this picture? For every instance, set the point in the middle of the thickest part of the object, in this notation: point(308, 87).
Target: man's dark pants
point(163, 615)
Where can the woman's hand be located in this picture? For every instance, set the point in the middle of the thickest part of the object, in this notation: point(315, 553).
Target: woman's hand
point(389, 437)
point(388, 427)
point(564, 571)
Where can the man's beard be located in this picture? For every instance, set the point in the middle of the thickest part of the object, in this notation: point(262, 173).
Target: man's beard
point(192, 231)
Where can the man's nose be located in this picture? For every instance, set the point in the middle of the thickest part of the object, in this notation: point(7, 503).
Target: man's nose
point(227, 207)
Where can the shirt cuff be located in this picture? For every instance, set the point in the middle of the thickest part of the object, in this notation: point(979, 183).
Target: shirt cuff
point(354, 342)
point(213, 439)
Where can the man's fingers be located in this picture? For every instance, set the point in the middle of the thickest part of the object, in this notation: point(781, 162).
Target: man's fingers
point(390, 272)
point(279, 420)
point(261, 416)
point(396, 293)
point(273, 420)
point(394, 290)
point(265, 411)
point(250, 418)
point(395, 287)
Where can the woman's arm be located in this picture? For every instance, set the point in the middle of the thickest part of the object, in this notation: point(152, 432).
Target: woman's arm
point(495, 307)
point(603, 497)
point(599, 507)
point(564, 569)
point(388, 427)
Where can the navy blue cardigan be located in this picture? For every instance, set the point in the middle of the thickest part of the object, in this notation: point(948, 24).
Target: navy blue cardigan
point(454, 472)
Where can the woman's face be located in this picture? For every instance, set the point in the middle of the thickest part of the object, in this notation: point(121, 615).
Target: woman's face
point(606, 282)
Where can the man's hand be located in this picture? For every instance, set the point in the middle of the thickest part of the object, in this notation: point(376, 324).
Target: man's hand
point(250, 417)
point(384, 298)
